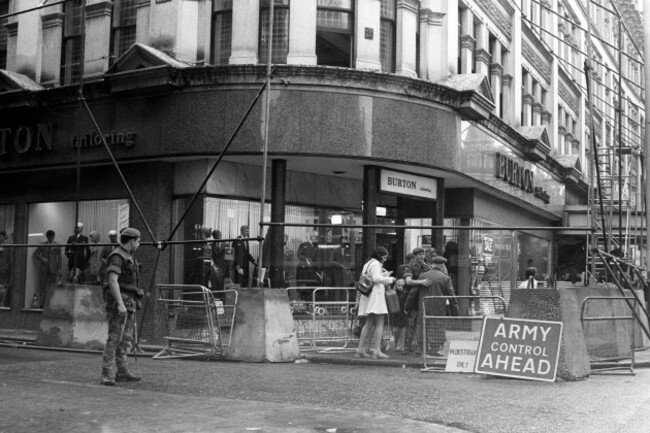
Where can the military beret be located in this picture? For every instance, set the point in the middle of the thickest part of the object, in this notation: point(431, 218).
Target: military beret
point(418, 250)
point(134, 233)
point(438, 260)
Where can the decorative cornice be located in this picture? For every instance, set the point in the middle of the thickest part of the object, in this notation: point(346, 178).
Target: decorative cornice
point(502, 21)
point(427, 16)
point(482, 55)
point(467, 42)
point(409, 5)
point(496, 69)
point(101, 9)
point(52, 20)
point(567, 96)
point(506, 79)
point(537, 107)
point(541, 65)
point(528, 99)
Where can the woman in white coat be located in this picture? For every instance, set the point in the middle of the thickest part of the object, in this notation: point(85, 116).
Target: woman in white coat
point(374, 306)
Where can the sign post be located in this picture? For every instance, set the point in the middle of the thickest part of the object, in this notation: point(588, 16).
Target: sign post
point(520, 348)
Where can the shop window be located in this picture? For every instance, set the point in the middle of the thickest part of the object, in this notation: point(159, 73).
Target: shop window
point(96, 216)
point(221, 31)
point(280, 47)
point(7, 262)
point(334, 32)
point(124, 22)
point(533, 253)
point(72, 42)
point(4, 9)
point(387, 46)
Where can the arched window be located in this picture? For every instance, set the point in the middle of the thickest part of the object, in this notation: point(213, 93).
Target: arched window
point(124, 20)
point(280, 31)
point(221, 31)
point(334, 30)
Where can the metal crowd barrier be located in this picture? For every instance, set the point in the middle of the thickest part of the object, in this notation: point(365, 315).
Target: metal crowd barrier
point(602, 353)
point(194, 321)
point(326, 318)
point(439, 330)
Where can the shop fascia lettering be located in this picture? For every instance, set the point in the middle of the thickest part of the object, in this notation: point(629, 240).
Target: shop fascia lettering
point(93, 139)
point(23, 139)
point(517, 175)
point(407, 184)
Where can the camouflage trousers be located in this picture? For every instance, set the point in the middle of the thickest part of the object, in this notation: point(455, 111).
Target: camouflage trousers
point(120, 338)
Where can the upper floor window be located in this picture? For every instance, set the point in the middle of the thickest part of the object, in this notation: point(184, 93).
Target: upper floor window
point(72, 43)
point(221, 31)
point(387, 44)
point(4, 9)
point(124, 20)
point(280, 47)
point(334, 29)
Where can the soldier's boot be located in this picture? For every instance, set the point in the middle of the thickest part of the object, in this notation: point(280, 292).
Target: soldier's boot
point(106, 378)
point(124, 375)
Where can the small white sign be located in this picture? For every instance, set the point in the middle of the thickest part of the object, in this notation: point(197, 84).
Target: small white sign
point(462, 356)
point(408, 184)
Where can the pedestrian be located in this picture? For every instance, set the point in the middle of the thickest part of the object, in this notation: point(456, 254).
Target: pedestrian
point(122, 295)
point(106, 251)
point(374, 305)
point(399, 321)
point(77, 255)
point(48, 259)
point(411, 274)
point(242, 258)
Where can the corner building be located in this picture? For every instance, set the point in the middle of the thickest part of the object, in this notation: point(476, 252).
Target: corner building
point(387, 112)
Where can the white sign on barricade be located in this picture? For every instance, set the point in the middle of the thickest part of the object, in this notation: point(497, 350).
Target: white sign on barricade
point(462, 356)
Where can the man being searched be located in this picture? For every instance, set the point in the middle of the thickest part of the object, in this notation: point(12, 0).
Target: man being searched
point(437, 283)
point(412, 276)
point(122, 297)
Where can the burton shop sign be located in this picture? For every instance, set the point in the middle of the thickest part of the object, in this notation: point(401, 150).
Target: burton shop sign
point(521, 348)
point(396, 182)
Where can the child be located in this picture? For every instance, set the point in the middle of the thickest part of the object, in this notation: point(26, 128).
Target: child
point(399, 321)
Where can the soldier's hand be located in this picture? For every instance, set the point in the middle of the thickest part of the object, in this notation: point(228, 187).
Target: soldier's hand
point(121, 309)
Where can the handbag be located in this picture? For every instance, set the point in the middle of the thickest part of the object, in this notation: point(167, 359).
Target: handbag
point(365, 283)
point(392, 301)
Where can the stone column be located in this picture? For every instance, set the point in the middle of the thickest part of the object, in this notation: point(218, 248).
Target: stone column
point(368, 30)
point(482, 53)
point(278, 204)
point(302, 33)
point(97, 40)
point(527, 102)
point(467, 41)
point(433, 46)
point(52, 46)
point(406, 41)
point(245, 28)
point(496, 72)
point(537, 104)
point(506, 88)
point(370, 179)
point(142, 20)
point(512, 67)
point(12, 42)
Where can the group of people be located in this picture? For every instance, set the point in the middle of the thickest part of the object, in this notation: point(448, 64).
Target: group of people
point(86, 263)
point(421, 276)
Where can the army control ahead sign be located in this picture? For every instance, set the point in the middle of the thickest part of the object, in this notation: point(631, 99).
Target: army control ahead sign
point(521, 348)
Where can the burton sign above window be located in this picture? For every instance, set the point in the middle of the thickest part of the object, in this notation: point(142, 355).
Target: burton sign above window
point(519, 176)
point(396, 182)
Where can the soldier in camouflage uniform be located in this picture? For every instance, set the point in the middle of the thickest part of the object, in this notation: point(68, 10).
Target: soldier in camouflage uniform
point(122, 297)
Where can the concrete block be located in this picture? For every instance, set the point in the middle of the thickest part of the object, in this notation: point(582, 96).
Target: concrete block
point(74, 317)
point(264, 330)
point(559, 306)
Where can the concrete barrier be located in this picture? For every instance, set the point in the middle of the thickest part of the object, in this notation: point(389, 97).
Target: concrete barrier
point(560, 306)
point(74, 317)
point(264, 330)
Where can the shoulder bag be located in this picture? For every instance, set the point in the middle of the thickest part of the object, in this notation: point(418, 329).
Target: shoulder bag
point(365, 284)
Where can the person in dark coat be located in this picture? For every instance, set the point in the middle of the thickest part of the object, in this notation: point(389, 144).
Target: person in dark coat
point(48, 258)
point(78, 256)
point(437, 284)
point(242, 258)
point(218, 266)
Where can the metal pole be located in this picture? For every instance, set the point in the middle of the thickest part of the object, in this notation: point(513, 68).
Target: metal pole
point(265, 151)
point(646, 45)
point(620, 133)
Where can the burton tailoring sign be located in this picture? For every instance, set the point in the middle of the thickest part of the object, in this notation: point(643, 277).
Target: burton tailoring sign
point(521, 348)
point(396, 182)
point(519, 176)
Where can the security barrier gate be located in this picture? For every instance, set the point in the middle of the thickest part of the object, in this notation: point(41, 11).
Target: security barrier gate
point(609, 338)
point(326, 318)
point(438, 330)
point(194, 321)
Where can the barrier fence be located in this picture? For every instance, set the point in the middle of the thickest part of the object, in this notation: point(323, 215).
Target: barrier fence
point(194, 321)
point(438, 329)
point(597, 327)
point(326, 318)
